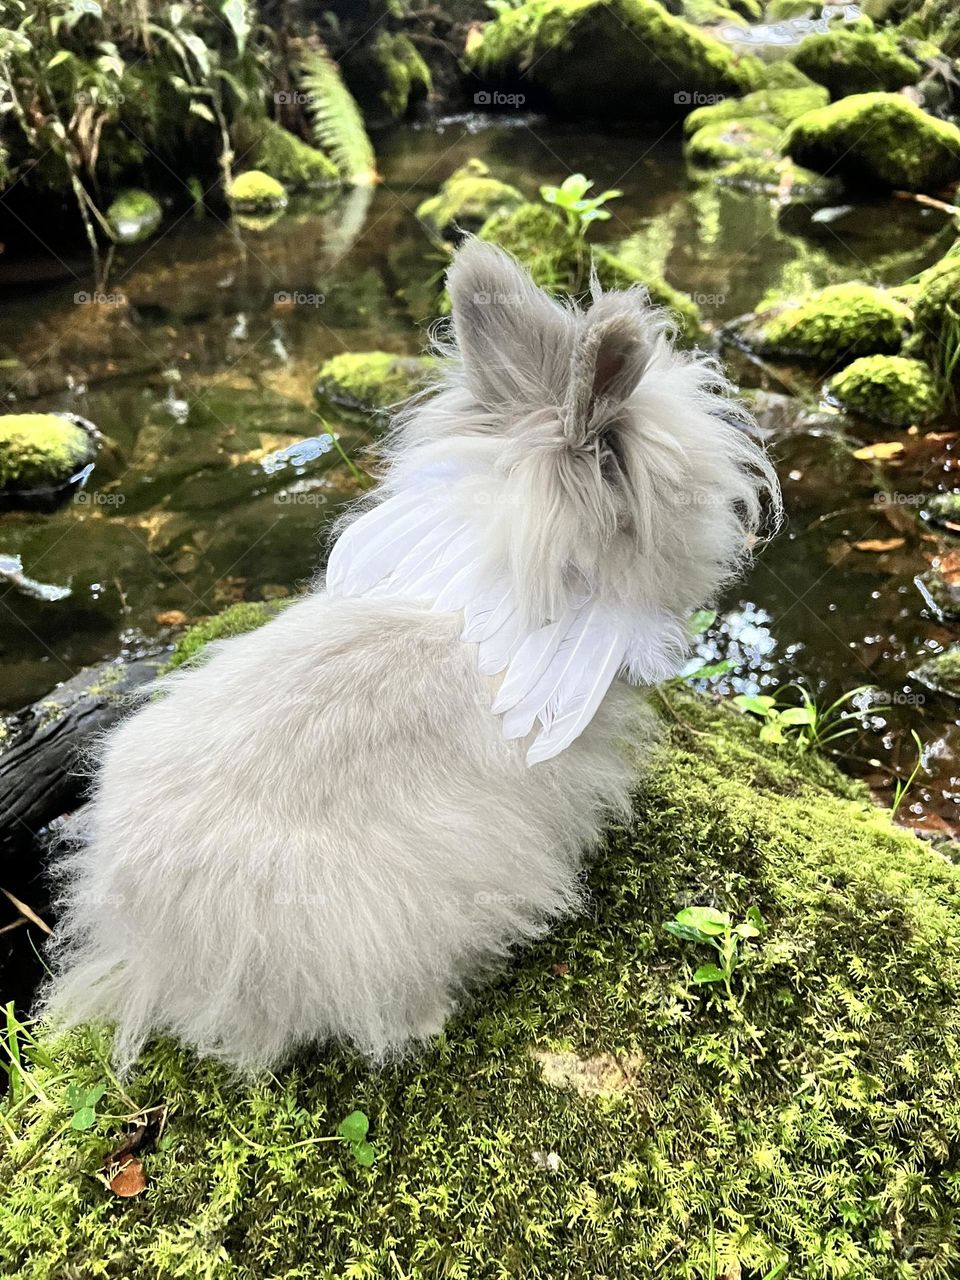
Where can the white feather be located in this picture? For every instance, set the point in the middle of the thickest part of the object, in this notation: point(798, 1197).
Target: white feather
point(370, 548)
point(528, 664)
point(576, 705)
point(494, 653)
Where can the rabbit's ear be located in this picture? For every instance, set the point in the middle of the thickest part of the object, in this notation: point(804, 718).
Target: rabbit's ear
point(611, 355)
point(514, 340)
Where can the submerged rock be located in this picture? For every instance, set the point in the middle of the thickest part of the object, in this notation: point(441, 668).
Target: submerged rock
point(289, 160)
point(596, 1078)
point(373, 380)
point(779, 107)
point(941, 592)
point(841, 320)
point(725, 141)
point(607, 57)
point(848, 61)
point(256, 192)
point(466, 200)
point(942, 672)
point(40, 453)
point(895, 390)
point(134, 215)
point(877, 140)
point(942, 510)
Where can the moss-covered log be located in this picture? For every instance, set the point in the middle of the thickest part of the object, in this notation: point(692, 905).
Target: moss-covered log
point(596, 1113)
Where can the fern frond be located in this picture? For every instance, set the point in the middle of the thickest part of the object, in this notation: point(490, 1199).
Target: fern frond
point(335, 119)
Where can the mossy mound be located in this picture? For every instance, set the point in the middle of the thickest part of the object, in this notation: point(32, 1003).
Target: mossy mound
point(290, 161)
point(134, 215)
point(778, 106)
point(596, 1113)
point(466, 200)
point(404, 76)
point(256, 192)
point(878, 140)
point(774, 173)
point(607, 57)
point(841, 320)
point(40, 452)
point(726, 141)
point(372, 380)
point(941, 673)
point(937, 312)
point(854, 61)
point(711, 13)
point(895, 390)
point(561, 262)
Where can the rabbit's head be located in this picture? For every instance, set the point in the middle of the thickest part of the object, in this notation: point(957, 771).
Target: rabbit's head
point(605, 459)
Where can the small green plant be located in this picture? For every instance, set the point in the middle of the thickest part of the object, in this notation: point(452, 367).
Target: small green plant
point(809, 725)
point(354, 1129)
point(83, 1104)
point(901, 787)
point(500, 7)
point(571, 199)
point(712, 928)
point(697, 624)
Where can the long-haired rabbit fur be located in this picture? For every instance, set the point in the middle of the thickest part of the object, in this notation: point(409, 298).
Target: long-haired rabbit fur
point(337, 824)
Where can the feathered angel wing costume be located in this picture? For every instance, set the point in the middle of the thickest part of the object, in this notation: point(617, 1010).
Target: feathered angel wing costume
point(416, 545)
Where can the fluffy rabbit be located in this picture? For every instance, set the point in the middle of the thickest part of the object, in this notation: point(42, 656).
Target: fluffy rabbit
point(335, 825)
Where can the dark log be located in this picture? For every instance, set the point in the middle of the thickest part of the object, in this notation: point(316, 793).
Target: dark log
point(43, 748)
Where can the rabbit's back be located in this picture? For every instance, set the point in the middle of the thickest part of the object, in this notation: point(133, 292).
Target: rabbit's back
point(322, 831)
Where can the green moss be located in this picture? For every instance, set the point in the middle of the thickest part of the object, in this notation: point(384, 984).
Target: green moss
point(937, 311)
point(404, 74)
point(724, 141)
point(289, 160)
point(256, 192)
point(246, 616)
point(942, 672)
point(41, 450)
point(373, 380)
point(596, 1113)
point(849, 62)
point(783, 75)
point(778, 106)
point(607, 57)
point(896, 390)
point(711, 13)
point(941, 593)
point(466, 200)
point(877, 140)
point(134, 215)
point(841, 320)
point(561, 262)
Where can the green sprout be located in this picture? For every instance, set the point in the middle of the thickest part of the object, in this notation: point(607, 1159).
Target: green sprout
point(814, 726)
point(709, 927)
point(571, 198)
point(354, 1129)
point(83, 1104)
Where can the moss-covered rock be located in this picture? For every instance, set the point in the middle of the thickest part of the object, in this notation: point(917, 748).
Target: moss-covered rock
point(774, 173)
point(466, 200)
point(711, 13)
point(597, 1112)
point(405, 78)
point(941, 673)
point(841, 320)
point(855, 61)
point(779, 107)
point(877, 140)
point(239, 618)
point(289, 160)
point(560, 261)
point(373, 380)
point(941, 591)
point(256, 192)
point(726, 141)
point(607, 57)
point(937, 312)
point(895, 390)
point(134, 215)
point(40, 452)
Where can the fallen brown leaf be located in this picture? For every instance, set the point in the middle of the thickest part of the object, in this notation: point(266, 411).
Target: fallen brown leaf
point(170, 618)
point(879, 452)
point(130, 1179)
point(879, 544)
